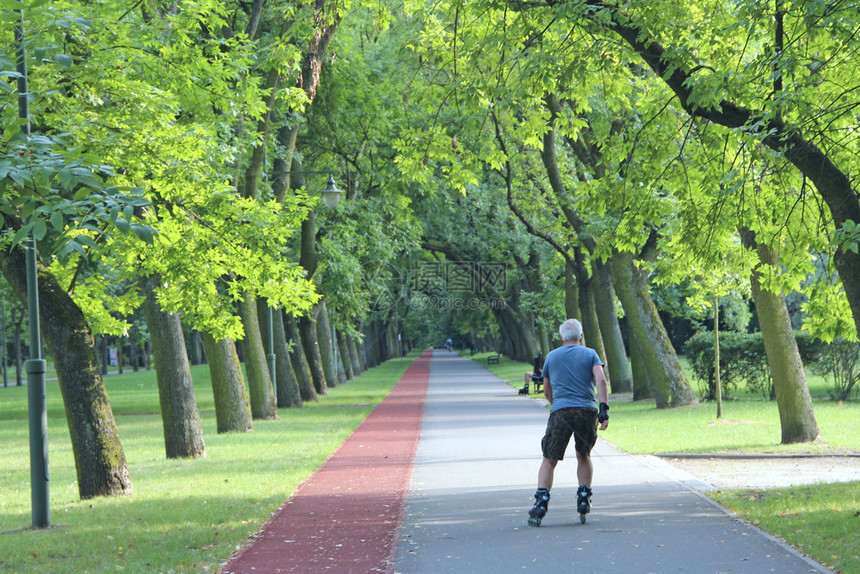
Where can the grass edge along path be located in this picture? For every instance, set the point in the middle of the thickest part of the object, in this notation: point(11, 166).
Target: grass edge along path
point(818, 520)
point(187, 515)
point(346, 517)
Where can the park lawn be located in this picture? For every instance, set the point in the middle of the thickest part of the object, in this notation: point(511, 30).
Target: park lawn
point(184, 515)
point(821, 520)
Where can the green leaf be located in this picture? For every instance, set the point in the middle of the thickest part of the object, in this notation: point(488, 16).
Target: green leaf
point(85, 240)
point(57, 220)
point(144, 232)
point(28, 209)
point(39, 230)
point(20, 234)
point(65, 178)
point(63, 60)
point(122, 225)
point(70, 247)
point(19, 177)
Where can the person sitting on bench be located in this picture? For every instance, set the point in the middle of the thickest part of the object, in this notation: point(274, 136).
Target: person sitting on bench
point(535, 375)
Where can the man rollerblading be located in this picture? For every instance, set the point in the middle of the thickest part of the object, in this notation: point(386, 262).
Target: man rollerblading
point(570, 374)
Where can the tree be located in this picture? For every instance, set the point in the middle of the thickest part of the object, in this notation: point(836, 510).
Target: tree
point(183, 433)
point(781, 84)
point(796, 415)
point(99, 458)
point(232, 404)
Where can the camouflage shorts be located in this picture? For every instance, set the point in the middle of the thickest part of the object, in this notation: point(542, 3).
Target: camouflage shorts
point(579, 422)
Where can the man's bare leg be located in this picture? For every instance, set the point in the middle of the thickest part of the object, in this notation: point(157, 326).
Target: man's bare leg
point(584, 469)
point(546, 473)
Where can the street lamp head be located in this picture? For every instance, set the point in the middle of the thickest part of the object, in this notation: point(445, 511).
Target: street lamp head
point(331, 194)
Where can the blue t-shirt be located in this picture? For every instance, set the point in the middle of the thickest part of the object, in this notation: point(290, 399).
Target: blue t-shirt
point(569, 370)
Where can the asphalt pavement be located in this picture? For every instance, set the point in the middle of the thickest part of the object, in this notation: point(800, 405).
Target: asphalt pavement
point(474, 478)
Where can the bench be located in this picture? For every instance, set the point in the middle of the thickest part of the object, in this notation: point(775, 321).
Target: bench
point(537, 372)
point(538, 381)
point(494, 359)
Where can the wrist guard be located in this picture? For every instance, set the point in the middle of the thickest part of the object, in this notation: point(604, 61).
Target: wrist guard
point(603, 413)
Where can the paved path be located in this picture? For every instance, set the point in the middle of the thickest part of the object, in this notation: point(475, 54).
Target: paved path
point(471, 486)
point(475, 473)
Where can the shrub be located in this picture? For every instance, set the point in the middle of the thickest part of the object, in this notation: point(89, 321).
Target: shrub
point(839, 362)
point(735, 357)
point(743, 358)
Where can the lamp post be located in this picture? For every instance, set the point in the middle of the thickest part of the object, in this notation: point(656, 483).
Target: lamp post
point(37, 407)
point(3, 341)
point(330, 196)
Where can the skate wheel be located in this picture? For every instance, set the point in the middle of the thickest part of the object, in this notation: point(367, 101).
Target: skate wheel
point(534, 521)
point(582, 518)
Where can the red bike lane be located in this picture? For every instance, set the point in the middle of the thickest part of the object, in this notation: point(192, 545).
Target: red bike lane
point(346, 517)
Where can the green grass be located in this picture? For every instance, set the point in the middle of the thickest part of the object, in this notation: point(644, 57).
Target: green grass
point(749, 424)
point(820, 520)
point(184, 515)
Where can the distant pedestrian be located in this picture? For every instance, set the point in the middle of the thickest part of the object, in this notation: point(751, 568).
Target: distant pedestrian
point(570, 374)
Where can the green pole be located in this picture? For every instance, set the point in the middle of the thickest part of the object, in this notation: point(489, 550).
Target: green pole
point(3, 341)
point(35, 367)
point(270, 342)
point(38, 411)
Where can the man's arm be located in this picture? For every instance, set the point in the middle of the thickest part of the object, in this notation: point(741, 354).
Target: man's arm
point(602, 390)
point(600, 381)
point(547, 390)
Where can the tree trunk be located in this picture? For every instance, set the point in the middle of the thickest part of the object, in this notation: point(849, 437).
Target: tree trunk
point(263, 404)
point(287, 387)
point(796, 415)
point(521, 334)
point(183, 433)
point(346, 359)
point(99, 458)
point(105, 354)
point(571, 292)
point(354, 355)
point(359, 358)
point(590, 326)
point(369, 346)
point(132, 349)
point(308, 330)
point(544, 337)
point(391, 341)
point(327, 352)
point(669, 383)
point(616, 356)
point(642, 387)
point(120, 344)
point(232, 404)
point(194, 351)
point(300, 362)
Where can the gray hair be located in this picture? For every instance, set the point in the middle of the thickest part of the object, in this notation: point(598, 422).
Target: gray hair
point(570, 330)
